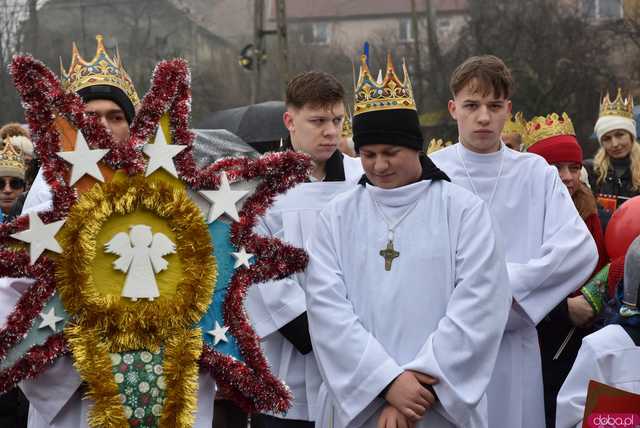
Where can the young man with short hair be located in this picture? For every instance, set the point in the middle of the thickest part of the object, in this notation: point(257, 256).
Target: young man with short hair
point(406, 287)
point(314, 117)
point(549, 251)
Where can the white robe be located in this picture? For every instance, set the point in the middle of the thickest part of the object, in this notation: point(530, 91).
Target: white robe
point(608, 356)
point(549, 253)
point(55, 396)
point(441, 310)
point(274, 304)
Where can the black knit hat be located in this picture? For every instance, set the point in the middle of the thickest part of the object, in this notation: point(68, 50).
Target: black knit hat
point(108, 92)
point(398, 127)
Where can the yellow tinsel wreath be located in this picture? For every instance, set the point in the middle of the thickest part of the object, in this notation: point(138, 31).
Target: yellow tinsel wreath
point(123, 324)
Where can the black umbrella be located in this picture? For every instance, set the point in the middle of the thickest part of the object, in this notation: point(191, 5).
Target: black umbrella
point(213, 144)
point(255, 124)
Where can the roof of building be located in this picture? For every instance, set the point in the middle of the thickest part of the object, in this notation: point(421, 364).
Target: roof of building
point(309, 9)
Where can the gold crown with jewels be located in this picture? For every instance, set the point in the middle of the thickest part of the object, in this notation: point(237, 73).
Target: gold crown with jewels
point(435, 145)
point(515, 125)
point(542, 127)
point(618, 107)
point(101, 70)
point(347, 127)
point(382, 94)
point(11, 161)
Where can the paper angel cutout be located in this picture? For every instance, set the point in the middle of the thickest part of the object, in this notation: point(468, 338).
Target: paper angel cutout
point(141, 258)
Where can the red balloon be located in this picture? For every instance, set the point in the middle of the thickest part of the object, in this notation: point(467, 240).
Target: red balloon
point(623, 228)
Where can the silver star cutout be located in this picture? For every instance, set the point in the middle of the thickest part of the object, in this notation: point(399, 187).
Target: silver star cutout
point(242, 258)
point(40, 236)
point(83, 160)
point(161, 154)
point(219, 333)
point(50, 319)
point(223, 200)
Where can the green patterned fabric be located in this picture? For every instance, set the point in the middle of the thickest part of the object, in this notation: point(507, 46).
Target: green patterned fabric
point(139, 377)
point(595, 291)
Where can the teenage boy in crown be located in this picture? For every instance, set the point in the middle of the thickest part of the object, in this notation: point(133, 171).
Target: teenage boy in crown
point(406, 288)
point(108, 93)
point(549, 250)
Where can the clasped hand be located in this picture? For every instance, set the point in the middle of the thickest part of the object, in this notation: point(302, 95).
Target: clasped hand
point(408, 400)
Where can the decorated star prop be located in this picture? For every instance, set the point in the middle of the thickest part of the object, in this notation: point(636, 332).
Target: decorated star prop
point(161, 154)
point(50, 319)
point(223, 200)
point(84, 160)
point(40, 236)
point(242, 258)
point(75, 304)
point(219, 333)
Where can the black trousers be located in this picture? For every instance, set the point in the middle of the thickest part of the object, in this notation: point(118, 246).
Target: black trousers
point(266, 421)
point(227, 415)
point(14, 408)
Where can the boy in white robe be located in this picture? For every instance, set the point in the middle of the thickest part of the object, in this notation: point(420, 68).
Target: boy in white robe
point(314, 118)
point(610, 355)
point(407, 292)
point(549, 250)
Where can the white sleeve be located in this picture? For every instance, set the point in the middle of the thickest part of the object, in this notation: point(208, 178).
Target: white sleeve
point(273, 304)
point(39, 197)
point(354, 365)
point(566, 258)
point(52, 389)
point(573, 394)
point(462, 351)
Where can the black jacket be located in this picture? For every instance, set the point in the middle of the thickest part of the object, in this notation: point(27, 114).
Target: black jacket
point(614, 184)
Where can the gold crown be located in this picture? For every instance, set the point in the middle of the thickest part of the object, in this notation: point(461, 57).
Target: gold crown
point(515, 125)
point(101, 70)
point(382, 94)
point(347, 127)
point(540, 128)
point(11, 161)
point(618, 107)
point(435, 145)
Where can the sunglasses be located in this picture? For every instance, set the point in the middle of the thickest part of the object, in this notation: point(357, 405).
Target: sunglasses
point(14, 183)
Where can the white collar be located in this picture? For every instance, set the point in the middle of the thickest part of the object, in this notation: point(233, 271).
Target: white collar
point(473, 157)
point(398, 196)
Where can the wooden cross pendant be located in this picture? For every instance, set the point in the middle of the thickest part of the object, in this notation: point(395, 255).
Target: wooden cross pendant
point(389, 254)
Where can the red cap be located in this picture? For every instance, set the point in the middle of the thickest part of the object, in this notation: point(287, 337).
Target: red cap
point(561, 148)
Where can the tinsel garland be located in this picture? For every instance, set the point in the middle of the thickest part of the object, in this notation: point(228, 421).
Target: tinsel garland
point(34, 362)
point(245, 384)
point(145, 324)
point(181, 355)
point(252, 384)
